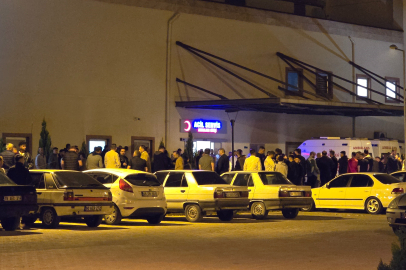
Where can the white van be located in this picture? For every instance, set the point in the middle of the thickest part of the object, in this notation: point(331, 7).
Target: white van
point(349, 145)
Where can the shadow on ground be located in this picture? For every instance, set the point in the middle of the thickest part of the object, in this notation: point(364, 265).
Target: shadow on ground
point(77, 227)
point(17, 233)
point(140, 223)
point(215, 219)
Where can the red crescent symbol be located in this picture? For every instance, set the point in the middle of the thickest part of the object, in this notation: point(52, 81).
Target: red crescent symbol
point(188, 125)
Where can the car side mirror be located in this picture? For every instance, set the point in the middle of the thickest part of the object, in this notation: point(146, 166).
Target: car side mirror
point(327, 186)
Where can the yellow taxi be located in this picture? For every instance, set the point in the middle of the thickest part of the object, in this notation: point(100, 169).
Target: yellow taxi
point(371, 192)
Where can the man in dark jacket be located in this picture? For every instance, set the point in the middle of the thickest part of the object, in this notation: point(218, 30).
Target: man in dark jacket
point(295, 171)
point(71, 160)
point(325, 165)
point(28, 161)
point(53, 159)
point(335, 162)
point(343, 163)
point(369, 159)
point(261, 156)
point(19, 173)
point(8, 157)
point(239, 166)
point(161, 160)
point(223, 164)
point(123, 158)
point(303, 163)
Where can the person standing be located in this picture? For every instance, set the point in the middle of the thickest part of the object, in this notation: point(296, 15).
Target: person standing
point(252, 163)
point(28, 162)
point(239, 166)
point(53, 159)
point(111, 159)
point(223, 164)
point(161, 160)
point(369, 158)
point(8, 157)
point(363, 163)
point(206, 162)
point(19, 173)
point(145, 156)
point(137, 163)
point(312, 171)
point(353, 163)
point(281, 166)
point(343, 163)
point(377, 165)
point(298, 154)
point(123, 159)
point(269, 162)
point(40, 160)
point(335, 163)
point(325, 165)
point(178, 161)
point(261, 156)
point(71, 160)
point(1, 166)
point(295, 170)
point(94, 160)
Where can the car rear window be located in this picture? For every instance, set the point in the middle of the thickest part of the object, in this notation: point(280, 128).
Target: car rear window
point(5, 181)
point(142, 179)
point(274, 179)
point(76, 180)
point(386, 178)
point(208, 178)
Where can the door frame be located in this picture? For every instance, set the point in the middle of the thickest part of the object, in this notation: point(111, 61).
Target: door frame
point(151, 139)
point(28, 137)
point(108, 138)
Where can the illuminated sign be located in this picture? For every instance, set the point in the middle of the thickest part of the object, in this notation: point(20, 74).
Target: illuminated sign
point(203, 126)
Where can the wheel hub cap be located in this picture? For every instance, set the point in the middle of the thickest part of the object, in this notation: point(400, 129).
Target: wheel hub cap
point(373, 205)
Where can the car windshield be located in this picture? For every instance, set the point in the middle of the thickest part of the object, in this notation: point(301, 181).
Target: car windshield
point(76, 180)
point(274, 178)
point(386, 178)
point(5, 181)
point(142, 179)
point(208, 178)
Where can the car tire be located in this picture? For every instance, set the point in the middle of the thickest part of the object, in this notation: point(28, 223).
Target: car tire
point(373, 206)
point(11, 223)
point(155, 219)
point(193, 213)
point(49, 218)
point(28, 221)
point(258, 210)
point(225, 215)
point(93, 221)
point(290, 213)
point(114, 218)
point(311, 208)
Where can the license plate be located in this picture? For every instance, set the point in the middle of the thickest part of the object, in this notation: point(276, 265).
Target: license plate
point(232, 194)
point(149, 194)
point(93, 208)
point(403, 215)
point(12, 198)
point(295, 193)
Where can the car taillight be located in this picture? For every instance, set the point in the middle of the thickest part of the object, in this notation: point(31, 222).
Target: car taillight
point(218, 194)
point(125, 186)
point(68, 196)
point(244, 194)
point(110, 197)
point(398, 191)
point(308, 194)
point(284, 193)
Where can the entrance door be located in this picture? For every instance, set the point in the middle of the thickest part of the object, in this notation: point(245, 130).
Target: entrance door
point(16, 138)
point(149, 142)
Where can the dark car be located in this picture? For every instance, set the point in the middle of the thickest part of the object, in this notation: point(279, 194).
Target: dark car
point(400, 175)
point(15, 202)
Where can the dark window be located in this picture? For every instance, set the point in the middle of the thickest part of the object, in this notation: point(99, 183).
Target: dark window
point(274, 179)
point(339, 182)
point(392, 91)
point(142, 179)
point(386, 178)
point(324, 84)
point(76, 180)
point(161, 176)
point(208, 178)
point(104, 178)
point(250, 181)
point(364, 82)
point(228, 177)
point(294, 77)
point(5, 181)
point(49, 180)
point(400, 176)
point(184, 182)
point(241, 179)
point(174, 179)
point(361, 181)
point(38, 180)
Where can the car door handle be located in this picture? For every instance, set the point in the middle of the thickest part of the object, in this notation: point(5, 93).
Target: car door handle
point(249, 190)
point(39, 193)
point(183, 191)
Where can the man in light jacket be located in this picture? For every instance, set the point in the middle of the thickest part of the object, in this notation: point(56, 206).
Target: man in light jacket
point(312, 171)
point(253, 163)
point(281, 166)
point(111, 159)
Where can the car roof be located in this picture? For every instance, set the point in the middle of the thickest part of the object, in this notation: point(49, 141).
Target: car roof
point(121, 172)
point(47, 170)
point(184, 171)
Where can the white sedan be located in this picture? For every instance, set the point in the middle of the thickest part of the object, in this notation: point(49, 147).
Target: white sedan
point(136, 194)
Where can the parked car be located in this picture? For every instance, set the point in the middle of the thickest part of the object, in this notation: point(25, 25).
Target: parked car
point(15, 202)
point(396, 214)
point(400, 175)
point(371, 192)
point(69, 194)
point(136, 194)
point(271, 191)
point(195, 192)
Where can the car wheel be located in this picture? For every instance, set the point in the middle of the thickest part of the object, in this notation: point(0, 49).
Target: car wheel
point(49, 218)
point(290, 213)
point(311, 208)
point(28, 221)
point(155, 219)
point(225, 215)
point(258, 210)
point(193, 213)
point(11, 223)
point(373, 206)
point(93, 221)
point(114, 218)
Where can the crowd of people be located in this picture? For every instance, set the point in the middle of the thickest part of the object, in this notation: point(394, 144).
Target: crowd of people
point(317, 170)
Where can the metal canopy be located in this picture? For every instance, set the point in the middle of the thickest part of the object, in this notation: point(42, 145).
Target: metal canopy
point(293, 106)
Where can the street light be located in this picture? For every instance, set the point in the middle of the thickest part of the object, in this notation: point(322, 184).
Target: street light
point(394, 47)
point(232, 122)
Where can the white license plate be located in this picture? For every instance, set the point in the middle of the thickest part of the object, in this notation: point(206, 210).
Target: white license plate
point(12, 198)
point(295, 193)
point(149, 194)
point(232, 194)
point(93, 208)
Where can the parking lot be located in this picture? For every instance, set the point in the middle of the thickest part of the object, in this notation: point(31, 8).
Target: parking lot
point(317, 240)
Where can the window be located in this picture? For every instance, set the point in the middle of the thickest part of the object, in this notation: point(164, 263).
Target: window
point(38, 180)
point(339, 182)
point(49, 180)
point(104, 178)
point(274, 179)
point(97, 140)
point(324, 84)
point(5, 181)
point(392, 90)
point(361, 181)
point(161, 176)
point(208, 178)
point(174, 179)
point(228, 177)
point(386, 179)
point(242, 179)
point(142, 179)
point(66, 179)
point(362, 91)
point(294, 77)
point(400, 176)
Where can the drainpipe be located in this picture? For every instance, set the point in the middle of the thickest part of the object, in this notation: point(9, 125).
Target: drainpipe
point(168, 71)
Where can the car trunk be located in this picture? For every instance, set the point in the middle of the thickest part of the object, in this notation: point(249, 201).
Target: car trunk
point(17, 195)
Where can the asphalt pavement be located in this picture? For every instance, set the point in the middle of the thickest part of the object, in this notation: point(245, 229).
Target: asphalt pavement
point(317, 240)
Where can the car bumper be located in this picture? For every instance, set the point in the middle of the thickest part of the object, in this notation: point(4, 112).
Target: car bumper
point(135, 209)
point(79, 209)
point(226, 204)
point(396, 217)
point(17, 210)
point(147, 212)
point(286, 203)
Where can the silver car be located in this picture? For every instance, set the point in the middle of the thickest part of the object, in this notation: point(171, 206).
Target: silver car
point(396, 214)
